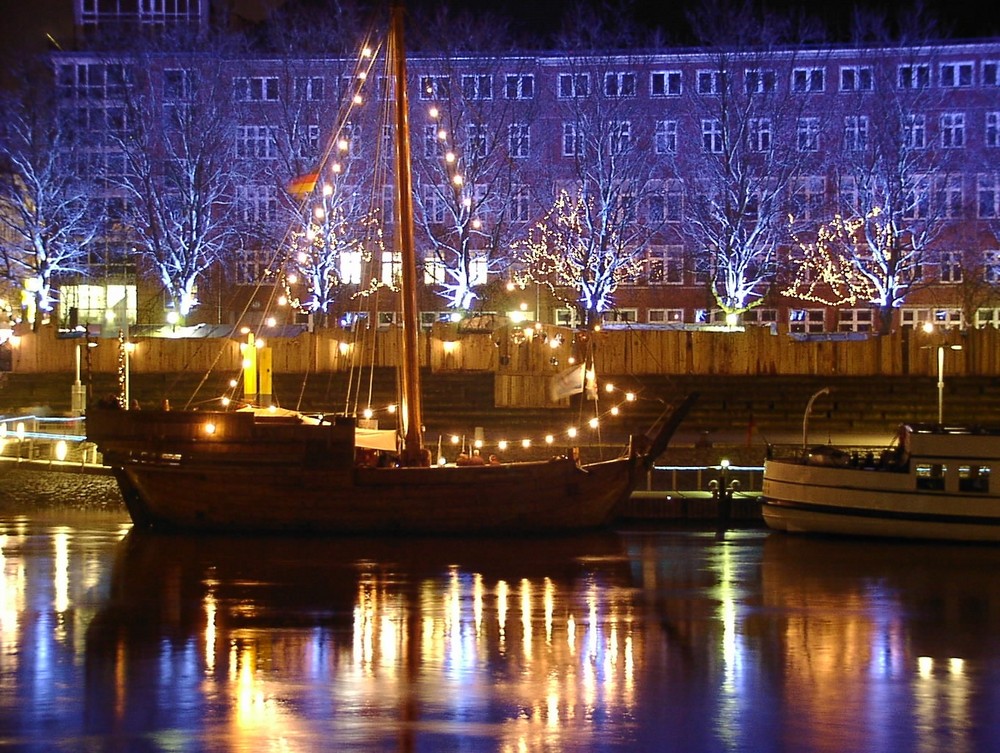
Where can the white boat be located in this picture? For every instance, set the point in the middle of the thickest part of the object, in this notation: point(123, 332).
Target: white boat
point(933, 482)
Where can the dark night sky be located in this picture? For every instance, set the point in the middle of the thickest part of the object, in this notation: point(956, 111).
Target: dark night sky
point(25, 23)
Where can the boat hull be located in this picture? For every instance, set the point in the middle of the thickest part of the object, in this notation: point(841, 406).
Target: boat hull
point(802, 498)
point(556, 495)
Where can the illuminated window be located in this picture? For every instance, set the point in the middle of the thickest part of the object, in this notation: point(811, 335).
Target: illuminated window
point(930, 476)
point(974, 478)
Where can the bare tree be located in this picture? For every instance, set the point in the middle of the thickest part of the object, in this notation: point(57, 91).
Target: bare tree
point(470, 129)
point(47, 207)
point(755, 141)
point(179, 177)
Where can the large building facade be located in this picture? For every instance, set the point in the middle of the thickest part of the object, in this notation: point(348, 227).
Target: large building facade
point(730, 179)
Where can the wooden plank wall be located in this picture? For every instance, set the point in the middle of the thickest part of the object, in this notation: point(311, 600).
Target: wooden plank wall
point(541, 351)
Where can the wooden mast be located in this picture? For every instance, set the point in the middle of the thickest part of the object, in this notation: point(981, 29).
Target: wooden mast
point(412, 453)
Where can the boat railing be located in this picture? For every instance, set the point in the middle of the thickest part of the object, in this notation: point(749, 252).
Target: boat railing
point(857, 456)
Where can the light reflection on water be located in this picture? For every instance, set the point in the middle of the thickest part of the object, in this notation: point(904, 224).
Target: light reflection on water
point(634, 641)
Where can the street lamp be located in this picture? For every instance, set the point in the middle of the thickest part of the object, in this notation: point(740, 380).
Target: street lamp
point(940, 383)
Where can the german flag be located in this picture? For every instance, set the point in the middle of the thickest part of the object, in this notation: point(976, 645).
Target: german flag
point(303, 184)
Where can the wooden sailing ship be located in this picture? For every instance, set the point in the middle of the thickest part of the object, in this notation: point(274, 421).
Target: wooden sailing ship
point(255, 471)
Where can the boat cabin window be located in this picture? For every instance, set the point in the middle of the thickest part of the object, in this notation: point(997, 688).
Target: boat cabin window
point(974, 478)
point(931, 476)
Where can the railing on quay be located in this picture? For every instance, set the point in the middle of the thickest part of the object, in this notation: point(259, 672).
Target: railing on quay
point(55, 441)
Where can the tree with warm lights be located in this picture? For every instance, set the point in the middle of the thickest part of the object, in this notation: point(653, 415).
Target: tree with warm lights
point(748, 155)
point(596, 233)
point(48, 208)
point(180, 178)
point(898, 190)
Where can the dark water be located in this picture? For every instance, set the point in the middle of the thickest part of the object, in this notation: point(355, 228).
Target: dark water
point(639, 641)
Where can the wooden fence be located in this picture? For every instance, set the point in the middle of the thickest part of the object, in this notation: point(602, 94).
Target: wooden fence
point(514, 352)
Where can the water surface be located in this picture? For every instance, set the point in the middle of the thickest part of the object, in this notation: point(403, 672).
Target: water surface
point(634, 640)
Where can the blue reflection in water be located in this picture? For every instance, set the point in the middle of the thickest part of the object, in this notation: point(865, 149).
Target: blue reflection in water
point(639, 641)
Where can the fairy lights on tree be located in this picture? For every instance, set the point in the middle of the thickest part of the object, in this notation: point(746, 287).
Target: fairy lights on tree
point(828, 271)
point(581, 252)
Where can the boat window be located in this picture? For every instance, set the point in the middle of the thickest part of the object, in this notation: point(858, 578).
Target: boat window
point(974, 478)
point(931, 475)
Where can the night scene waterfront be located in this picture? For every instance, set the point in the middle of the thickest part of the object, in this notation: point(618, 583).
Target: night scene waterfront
point(662, 639)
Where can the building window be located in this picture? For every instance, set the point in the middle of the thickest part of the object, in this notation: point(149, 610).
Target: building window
point(255, 88)
point(258, 205)
point(951, 196)
point(574, 85)
point(760, 81)
point(806, 321)
point(917, 200)
point(477, 87)
point(810, 196)
point(433, 144)
point(988, 191)
point(619, 84)
point(667, 203)
point(251, 266)
point(760, 317)
point(991, 266)
point(856, 133)
point(665, 137)
point(665, 84)
point(619, 136)
point(664, 266)
point(435, 87)
point(520, 204)
point(916, 76)
point(308, 88)
point(572, 140)
point(955, 75)
point(759, 133)
point(915, 131)
point(620, 315)
point(392, 268)
point(950, 267)
point(987, 318)
point(519, 86)
point(856, 78)
point(711, 82)
point(477, 140)
point(808, 79)
point(519, 140)
point(807, 134)
point(257, 141)
point(434, 204)
point(854, 320)
point(850, 198)
point(991, 73)
point(178, 85)
point(350, 267)
point(953, 130)
point(992, 135)
point(665, 316)
point(711, 136)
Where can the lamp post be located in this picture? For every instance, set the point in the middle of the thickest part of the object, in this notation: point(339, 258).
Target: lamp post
point(940, 381)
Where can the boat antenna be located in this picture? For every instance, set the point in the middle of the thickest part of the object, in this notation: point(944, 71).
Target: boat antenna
point(412, 451)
